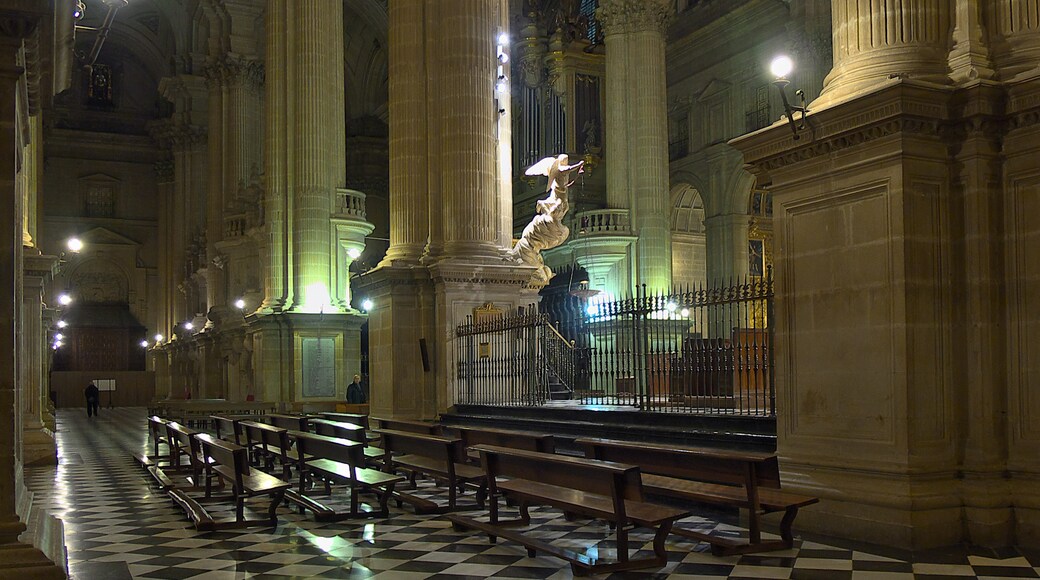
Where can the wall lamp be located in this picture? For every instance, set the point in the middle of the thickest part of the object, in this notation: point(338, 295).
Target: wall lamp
point(781, 67)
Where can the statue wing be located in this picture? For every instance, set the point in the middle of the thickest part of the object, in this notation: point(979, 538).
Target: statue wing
point(542, 167)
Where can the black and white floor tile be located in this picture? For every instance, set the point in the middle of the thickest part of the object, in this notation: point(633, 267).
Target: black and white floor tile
point(119, 526)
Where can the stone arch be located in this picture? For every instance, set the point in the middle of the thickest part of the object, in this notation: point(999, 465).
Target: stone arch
point(688, 239)
point(98, 280)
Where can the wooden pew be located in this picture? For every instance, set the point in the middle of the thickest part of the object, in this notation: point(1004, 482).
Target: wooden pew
point(472, 436)
point(186, 459)
point(408, 425)
point(343, 462)
point(157, 435)
point(291, 422)
point(441, 458)
point(355, 418)
point(228, 427)
point(598, 489)
point(271, 445)
point(744, 480)
point(351, 432)
point(230, 463)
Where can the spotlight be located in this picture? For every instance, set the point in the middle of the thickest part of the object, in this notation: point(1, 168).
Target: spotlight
point(502, 86)
point(188, 325)
point(366, 305)
point(240, 304)
point(354, 253)
point(503, 38)
point(685, 312)
point(62, 324)
point(58, 344)
point(144, 344)
point(158, 338)
point(74, 245)
point(592, 310)
point(64, 299)
point(671, 306)
point(59, 336)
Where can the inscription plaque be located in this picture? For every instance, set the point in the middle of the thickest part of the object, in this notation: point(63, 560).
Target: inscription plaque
point(319, 367)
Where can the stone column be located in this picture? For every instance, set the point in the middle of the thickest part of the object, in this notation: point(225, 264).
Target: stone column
point(637, 129)
point(319, 100)
point(876, 40)
point(409, 201)
point(1014, 31)
point(38, 441)
point(726, 242)
point(215, 283)
point(277, 258)
point(464, 51)
point(18, 20)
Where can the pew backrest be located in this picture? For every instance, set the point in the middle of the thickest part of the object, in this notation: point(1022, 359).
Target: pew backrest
point(472, 436)
point(355, 418)
point(409, 425)
point(339, 429)
point(293, 422)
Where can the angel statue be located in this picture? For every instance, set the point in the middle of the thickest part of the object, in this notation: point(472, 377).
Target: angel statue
point(546, 230)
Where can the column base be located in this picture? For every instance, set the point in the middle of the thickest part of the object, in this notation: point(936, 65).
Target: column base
point(38, 445)
point(26, 562)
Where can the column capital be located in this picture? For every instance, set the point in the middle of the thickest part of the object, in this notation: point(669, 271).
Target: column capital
point(231, 68)
point(626, 16)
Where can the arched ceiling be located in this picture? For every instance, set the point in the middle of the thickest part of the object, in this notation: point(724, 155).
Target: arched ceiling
point(687, 210)
point(365, 58)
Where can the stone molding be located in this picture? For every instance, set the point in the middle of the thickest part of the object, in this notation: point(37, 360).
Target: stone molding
point(627, 16)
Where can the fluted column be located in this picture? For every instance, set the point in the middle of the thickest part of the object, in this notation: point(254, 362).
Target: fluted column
point(464, 49)
point(409, 201)
point(875, 40)
point(277, 260)
point(319, 102)
point(637, 129)
point(215, 298)
point(1014, 28)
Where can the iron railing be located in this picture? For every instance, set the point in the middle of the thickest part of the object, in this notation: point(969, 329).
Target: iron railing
point(695, 350)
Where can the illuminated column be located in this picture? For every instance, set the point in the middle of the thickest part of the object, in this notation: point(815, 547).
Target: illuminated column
point(637, 129)
point(277, 259)
point(875, 41)
point(1016, 25)
point(319, 100)
point(409, 201)
point(466, 167)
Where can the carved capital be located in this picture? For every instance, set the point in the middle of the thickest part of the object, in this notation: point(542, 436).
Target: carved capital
point(231, 70)
point(625, 16)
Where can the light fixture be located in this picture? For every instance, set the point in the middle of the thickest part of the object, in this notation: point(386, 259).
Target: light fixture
point(79, 11)
point(781, 67)
point(144, 344)
point(685, 312)
point(240, 304)
point(59, 336)
point(62, 324)
point(158, 338)
point(671, 306)
point(503, 39)
point(64, 299)
point(366, 305)
point(354, 253)
point(74, 245)
point(188, 325)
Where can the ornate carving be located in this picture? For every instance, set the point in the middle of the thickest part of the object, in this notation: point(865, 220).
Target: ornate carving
point(622, 16)
point(229, 70)
point(164, 170)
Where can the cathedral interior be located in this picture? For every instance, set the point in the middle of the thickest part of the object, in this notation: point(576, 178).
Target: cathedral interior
point(252, 201)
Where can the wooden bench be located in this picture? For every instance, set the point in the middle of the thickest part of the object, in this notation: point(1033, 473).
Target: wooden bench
point(185, 459)
point(291, 422)
point(472, 436)
point(598, 489)
point(339, 461)
point(744, 480)
point(270, 445)
point(157, 435)
point(408, 425)
point(441, 458)
point(355, 418)
point(229, 462)
point(351, 432)
point(228, 427)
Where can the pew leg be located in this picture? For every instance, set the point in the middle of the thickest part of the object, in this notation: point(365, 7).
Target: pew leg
point(660, 553)
point(525, 516)
point(482, 495)
point(452, 495)
point(240, 501)
point(622, 543)
point(272, 511)
point(785, 526)
point(384, 498)
point(354, 492)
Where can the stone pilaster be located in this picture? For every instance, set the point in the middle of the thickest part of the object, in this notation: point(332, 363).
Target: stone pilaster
point(637, 129)
point(726, 241)
point(875, 41)
point(970, 55)
point(277, 260)
point(38, 440)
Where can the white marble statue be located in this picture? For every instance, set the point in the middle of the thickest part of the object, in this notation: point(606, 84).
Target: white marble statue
point(546, 230)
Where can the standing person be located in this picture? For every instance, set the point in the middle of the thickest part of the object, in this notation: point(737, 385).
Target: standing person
point(93, 399)
point(355, 394)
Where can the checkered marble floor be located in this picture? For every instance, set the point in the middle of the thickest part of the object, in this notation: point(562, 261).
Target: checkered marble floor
point(118, 526)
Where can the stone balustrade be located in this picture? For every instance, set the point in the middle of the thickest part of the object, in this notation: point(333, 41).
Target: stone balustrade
point(350, 203)
point(604, 222)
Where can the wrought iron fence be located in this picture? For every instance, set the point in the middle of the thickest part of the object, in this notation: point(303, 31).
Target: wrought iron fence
point(695, 350)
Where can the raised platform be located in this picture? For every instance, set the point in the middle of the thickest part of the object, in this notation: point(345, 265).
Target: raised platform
point(568, 421)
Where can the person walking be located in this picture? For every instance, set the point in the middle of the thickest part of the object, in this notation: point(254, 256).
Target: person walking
point(93, 399)
point(355, 394)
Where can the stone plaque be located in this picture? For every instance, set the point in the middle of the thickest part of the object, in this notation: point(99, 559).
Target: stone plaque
point(319, 367)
